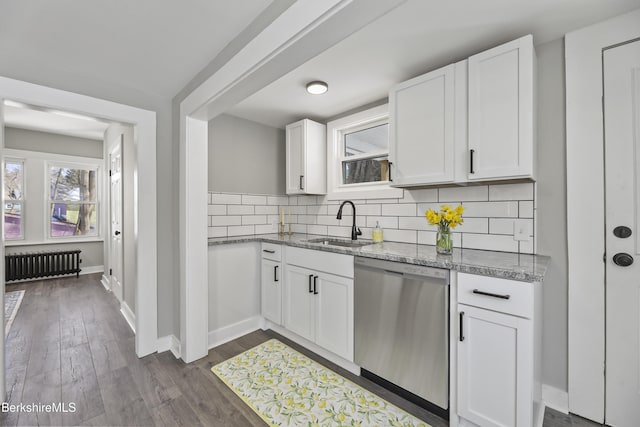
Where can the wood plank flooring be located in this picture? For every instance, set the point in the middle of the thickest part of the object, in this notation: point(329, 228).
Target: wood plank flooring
point(69, 343)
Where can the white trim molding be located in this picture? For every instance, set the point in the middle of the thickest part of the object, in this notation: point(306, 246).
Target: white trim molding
point(169, 343)
point(585, 193)
point(128, 316)
point(231, 332)
point(555, 398)
point(106, 282)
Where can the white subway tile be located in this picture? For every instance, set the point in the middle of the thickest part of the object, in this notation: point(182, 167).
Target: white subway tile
point(404, 209)
point(473, 225)
point(315, 209)
point(209, 197)
point(385, 221)
point(217, 232)
point(381, 201)
point(326, 220)
point(317, 229)
point(526, 247)
point(471, 193)
point(324, 200)
point(273, 219)
point(307, 219)
point(241, 230)
point(240, 210)
point(491, 209)
point(339, 231)
point(520, 191)
point(254, 219)
point(266, 210)
point(427, 237)
point(404, 236)
point(295, 210)
point(369, 210)
point(225, 220)
point(526, 210)
point(306, 200)
point(265, 229)
point(491, 242)
point(217, 209)
point(424, 195)
point(278, 200)
point(501, 226)
point(225, 199)
point(248, 199)
point(298, 228)
point(424, 207)
point(415, 223)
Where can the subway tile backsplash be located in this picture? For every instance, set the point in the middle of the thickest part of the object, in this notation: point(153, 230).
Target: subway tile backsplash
point(490, 213)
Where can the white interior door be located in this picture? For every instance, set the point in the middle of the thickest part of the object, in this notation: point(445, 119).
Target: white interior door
point(115, 215)
point(622, 197)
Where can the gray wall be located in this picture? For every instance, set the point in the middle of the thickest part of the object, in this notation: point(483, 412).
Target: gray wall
point(245, 157)
point(104, 87)
point(551, 210)
point(91, 255)
point(45, 142)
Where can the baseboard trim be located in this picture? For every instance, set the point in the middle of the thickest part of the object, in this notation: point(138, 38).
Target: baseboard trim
point(555, 398)
point(344, 363)
point(92, 269)
point(236, 330)
point(106, 283)
point(169, 343)
point(128, 315)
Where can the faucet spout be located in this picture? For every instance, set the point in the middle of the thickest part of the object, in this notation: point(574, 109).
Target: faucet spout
point(355, 231)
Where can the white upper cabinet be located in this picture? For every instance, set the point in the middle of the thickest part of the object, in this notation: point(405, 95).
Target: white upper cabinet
point(501, 112)
point(306, 154)
point(421, 137)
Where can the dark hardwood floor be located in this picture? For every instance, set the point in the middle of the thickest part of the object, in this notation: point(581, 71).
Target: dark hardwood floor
point(69, 343)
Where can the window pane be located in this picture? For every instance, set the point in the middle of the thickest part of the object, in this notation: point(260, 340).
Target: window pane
point(366, 170)
point(69, 219)
point(74, 185)
point(367, 140)
point(12, 220)
point(13, 173)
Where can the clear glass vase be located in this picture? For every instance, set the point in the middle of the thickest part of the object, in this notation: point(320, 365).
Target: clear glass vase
point(444, 243)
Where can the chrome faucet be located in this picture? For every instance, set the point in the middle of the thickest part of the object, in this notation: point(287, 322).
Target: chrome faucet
point(355, 231)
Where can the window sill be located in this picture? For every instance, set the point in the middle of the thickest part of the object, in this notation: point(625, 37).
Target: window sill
point(9, 243)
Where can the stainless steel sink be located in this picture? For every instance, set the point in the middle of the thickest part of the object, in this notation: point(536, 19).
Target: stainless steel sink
point(340, 242)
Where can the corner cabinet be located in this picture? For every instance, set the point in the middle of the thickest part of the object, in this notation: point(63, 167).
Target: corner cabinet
point(271, 287)
point(499, 352)
point(502, 112)
point(318, 305)
point(306, 157)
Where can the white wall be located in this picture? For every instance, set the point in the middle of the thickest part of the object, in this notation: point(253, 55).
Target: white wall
point(45, 142)
point(252, 153)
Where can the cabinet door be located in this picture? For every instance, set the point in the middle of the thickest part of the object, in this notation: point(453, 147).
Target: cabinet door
point(299, 309)
point(295, 137)
point(501, 108)
point(334, 314)
point(421, 139)
point(495, 368)
point(271, 291)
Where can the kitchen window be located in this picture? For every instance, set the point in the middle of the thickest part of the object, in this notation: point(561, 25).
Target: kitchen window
point(358, 161)
point(13, 196)
point(73, 201)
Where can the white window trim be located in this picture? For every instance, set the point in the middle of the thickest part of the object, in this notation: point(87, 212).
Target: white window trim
point(22, 201)
point(335, 130)
point(47, 205)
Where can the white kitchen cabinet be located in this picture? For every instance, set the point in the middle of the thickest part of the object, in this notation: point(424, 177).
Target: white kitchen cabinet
point(318, 305)
point(271, 284)
point(421, 132)
point(306, 157)
point(502, 112)
point(498, 352)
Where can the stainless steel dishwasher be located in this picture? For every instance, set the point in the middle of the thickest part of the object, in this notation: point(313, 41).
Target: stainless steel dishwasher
point(402, 329)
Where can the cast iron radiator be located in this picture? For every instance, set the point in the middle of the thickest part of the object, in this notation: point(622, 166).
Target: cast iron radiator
point(33, 265)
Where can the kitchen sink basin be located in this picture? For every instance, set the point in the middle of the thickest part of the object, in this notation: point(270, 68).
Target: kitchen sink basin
point(340, 242)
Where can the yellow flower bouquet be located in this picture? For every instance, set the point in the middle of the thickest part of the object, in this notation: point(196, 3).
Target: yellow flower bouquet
point(446, 219)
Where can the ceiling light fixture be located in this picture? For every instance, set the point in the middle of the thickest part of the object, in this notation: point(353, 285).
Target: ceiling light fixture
point(317, 87)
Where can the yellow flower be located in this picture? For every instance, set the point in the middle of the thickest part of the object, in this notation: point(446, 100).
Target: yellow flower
point(460, 209)
point(342, 417)
point(322, 404)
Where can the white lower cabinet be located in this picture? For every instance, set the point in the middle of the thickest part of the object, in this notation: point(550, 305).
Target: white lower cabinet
point(498, 363)
point(271, 291)
point(318, 305)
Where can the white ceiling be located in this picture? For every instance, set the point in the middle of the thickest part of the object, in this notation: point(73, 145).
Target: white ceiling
point(154, 46)
point(418, 36)
point(63, 123)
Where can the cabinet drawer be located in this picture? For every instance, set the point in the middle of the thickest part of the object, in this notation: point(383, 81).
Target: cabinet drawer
point(272, 251)
point(505, 296)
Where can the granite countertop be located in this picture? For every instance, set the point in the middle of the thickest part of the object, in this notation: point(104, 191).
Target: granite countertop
point(505, 265)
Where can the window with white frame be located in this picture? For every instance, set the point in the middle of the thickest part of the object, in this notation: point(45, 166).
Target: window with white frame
point(73, 201)
point(13, 195)
point(358, 161)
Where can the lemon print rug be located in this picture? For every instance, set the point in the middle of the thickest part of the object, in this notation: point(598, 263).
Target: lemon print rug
point(286, 388)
